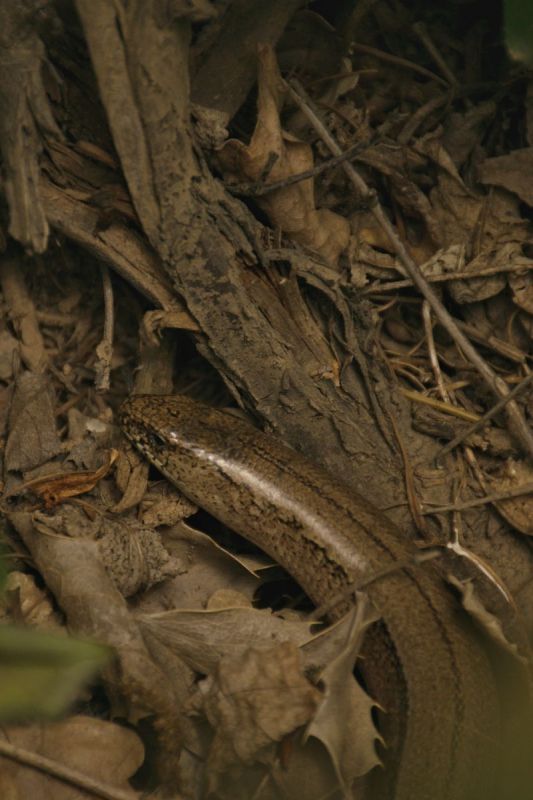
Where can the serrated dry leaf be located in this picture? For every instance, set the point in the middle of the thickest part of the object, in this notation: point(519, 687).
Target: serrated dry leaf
point(291, 208)
point(91, 746)
point(343, 721)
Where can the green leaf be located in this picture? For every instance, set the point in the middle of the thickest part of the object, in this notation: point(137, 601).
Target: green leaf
point(41, 674)
point(519, 30)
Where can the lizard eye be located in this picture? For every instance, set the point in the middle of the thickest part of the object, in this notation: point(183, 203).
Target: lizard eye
point(156, 440)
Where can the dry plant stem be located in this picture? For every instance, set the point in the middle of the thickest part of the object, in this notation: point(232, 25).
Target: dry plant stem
point(516, 420)
point(259, 189)
point(433, 358)
point(416, 119)
point(482, 421)
point(494, 497)
point(421, 31)
point(400, 62)
point(22, 313)
point(65, 774)
point(446, 408)
point(393, 286)
point(104, 350)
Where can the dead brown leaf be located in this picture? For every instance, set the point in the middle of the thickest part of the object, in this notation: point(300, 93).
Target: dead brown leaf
point(93, 747)
point(252, 702)
point(511, 171)
point(56, 488)
point(32, 438)
point(203, 638)
point(273, 155)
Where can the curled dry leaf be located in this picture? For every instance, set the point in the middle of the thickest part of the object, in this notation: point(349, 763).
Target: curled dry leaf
point(279, 155)
point(26, 603)
point(489, 623)
point(56, 488)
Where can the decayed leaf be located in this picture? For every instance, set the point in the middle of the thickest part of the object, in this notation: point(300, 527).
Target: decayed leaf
point(252, 702)
point(343, 721)
point(490, 624)
point(93, 747)
point(56, 488)
point(202, 638)
point(521, 285)
point(26, 603)
point(280, 155)
point(518, 511)
point(512, 172)
point(32, 438)
point(41, 674)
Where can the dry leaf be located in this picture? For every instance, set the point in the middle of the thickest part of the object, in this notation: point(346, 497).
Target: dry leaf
point(490, 624)
point(26, 603)
point(252, 702)
point(32, 438)
point(202, 638)
point(281, 155)
point(512, 172)
point(207, 567)
point(343, 721)
point(96, 748)
point(54, 489)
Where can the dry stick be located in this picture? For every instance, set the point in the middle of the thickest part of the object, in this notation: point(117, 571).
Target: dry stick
point(421, 31)
point(516, 420)
point(256, 189)
point(494, 497)
point(392, 286)
point(485, 418)
point(400, 62)
point(104, 350)
point(63, 773)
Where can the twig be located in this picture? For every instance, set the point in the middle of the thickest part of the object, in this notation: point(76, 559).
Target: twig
point(400, 62)
point(104, 350)
point(393, 286)
point(63, 773)
point(257, 189)
point(515, 418)
point(518, 491)
point(416, 119)
point(421, 31)
point(432, 350)
point(484, 419)
point(439, 405)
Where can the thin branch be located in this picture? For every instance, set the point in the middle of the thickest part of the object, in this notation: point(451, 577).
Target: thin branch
point(104, 350)
point(257, 189)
